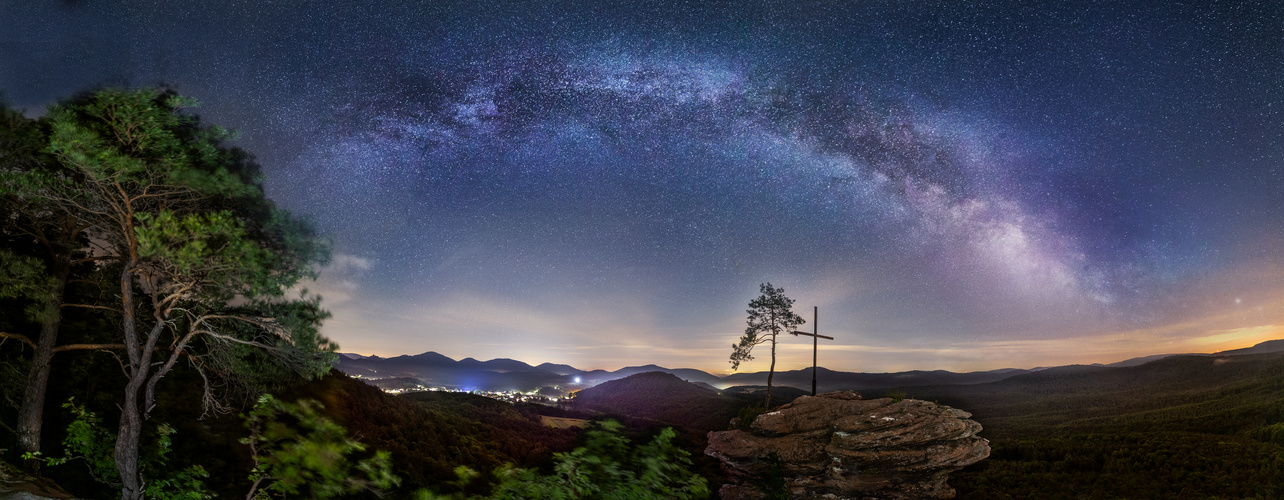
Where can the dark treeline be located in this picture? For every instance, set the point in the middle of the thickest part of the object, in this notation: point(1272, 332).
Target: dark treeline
point(1178, 427)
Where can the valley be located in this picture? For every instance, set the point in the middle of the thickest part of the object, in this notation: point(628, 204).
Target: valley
point(1199, 425)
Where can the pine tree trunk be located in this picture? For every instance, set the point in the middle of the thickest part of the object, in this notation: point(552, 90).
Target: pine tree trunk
point(31, 413)
point(126, 454)
point(131, 418)
point(770, 374)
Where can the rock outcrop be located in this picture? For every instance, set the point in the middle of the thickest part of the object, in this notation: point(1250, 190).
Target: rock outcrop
point(839, 445)
point(15, 485)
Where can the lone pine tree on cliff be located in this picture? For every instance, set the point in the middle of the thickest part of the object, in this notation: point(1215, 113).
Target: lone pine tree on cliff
point(769, 315)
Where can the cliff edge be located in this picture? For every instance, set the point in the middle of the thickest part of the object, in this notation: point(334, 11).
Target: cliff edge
point(839, 445)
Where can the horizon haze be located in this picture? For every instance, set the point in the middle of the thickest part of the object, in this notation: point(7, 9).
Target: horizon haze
point(1273, 345)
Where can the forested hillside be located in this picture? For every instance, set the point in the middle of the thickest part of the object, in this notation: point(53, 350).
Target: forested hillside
point(1188, 426)
point(1179, 427)
point(658, 396)
point(431, 433)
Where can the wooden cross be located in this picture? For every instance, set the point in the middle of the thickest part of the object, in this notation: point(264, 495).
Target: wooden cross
point(814, 336)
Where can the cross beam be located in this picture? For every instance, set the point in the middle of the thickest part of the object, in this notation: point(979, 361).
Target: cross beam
point(814, 315)
point(812, 335)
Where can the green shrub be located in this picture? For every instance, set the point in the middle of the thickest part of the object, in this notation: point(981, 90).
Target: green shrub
point(605, 468)
point(297, 451)
point(89, 442)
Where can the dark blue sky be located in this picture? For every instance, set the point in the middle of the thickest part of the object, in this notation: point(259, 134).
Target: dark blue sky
point(602, 184)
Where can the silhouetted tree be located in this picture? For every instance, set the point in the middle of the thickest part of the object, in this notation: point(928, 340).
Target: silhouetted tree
point(770, 315)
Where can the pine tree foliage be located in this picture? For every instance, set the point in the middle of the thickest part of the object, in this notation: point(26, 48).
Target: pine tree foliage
point(203, 260)
point(770, 315)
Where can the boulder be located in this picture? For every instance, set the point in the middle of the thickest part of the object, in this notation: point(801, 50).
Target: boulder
point(839, 445)
point(16, 485)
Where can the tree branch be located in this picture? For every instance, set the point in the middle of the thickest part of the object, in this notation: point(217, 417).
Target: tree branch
point(85, 347)
point(11, 431)
point(173, 297)
point(87, 306)
point(93, 259)
point(246, 342)
point(21, 338)
point(267, 323)
point(122, 364)
point(208, 401)
point(149, 393)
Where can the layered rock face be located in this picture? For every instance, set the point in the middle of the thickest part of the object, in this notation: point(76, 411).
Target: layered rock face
point(839, 445)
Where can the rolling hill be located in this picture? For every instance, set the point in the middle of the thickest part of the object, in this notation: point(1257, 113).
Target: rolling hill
point(657, 396)
point(829, 380)
point(1195, 426)
point(1189, 426)
point(435, 370)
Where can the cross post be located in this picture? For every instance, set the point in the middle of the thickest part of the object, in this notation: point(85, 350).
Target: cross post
point(814, 328)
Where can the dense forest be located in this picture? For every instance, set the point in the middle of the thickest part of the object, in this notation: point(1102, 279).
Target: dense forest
point(1178, 427)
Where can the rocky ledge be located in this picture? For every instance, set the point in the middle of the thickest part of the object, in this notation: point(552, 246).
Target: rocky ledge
point(16, 485)
point(840, 445)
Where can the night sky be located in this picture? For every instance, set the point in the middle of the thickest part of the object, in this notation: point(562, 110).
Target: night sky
point(605, 184)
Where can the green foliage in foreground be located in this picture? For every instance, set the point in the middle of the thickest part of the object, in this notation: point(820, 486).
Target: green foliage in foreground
point(88, 441)
point(604, 468)
point(298, 450)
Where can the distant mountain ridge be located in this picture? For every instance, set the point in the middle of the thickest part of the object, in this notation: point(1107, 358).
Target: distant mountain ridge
point(1268, 346)
point(503, 374)
point(508, 374)
point(829, 380)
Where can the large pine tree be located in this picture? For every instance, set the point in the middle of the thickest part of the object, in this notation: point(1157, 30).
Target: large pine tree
point(201, 259)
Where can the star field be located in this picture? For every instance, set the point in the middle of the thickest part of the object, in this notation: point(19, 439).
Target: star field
point(602, 184)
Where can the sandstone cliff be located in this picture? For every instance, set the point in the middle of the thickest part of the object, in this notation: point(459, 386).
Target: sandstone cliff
point(838, 445)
